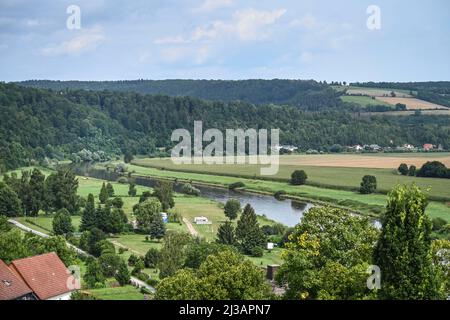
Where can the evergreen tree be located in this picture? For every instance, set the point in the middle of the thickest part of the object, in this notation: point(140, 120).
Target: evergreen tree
point(110, 190)
point(248, 234)
point(62, 223)
point(132, 190)
point(37, 180)
point(232, 208)
point(116, 221)
point(88, 218)
point(225, 234)
point(10, 205)
point(151, 258)
point(103, 196)
point(61, 192)
point(123, 275)
point(157, 228)
point(403, 251)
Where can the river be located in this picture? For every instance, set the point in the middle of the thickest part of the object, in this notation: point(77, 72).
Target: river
point(287, 212)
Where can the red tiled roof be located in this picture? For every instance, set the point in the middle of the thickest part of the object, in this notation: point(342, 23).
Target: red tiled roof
point(45, 274)
point(11, 285)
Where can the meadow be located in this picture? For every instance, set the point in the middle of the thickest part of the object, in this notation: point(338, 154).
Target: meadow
point(363, 100)
point(343, 171)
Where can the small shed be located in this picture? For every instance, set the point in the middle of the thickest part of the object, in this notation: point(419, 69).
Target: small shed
point(201, 220)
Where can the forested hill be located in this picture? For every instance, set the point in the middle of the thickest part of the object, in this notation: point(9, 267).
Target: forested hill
point(305, 94)
point(37, 123)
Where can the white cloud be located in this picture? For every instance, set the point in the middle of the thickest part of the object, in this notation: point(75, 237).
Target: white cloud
point(86, 40)
point(211, 5)
point(247, 25)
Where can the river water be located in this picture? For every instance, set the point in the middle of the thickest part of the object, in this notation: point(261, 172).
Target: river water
point(287, 212)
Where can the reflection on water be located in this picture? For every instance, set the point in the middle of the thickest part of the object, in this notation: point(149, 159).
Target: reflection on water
point(286, 211)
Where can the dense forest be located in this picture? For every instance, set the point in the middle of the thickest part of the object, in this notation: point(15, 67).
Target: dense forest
point(38, 124)
point(305, 94)
point(432, 91)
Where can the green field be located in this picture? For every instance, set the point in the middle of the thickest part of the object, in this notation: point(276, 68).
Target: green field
point(117, 293)
point(330, 177)
point(363, 101)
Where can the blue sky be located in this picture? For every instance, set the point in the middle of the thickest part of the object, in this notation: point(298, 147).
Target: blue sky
point(225, 39)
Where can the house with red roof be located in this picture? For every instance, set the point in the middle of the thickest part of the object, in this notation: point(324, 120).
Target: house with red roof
point(44, 276)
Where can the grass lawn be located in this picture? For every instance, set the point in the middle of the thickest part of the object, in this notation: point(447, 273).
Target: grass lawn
point(190, 207)
point(269, 257)
point(117, 293)
point(43, 223)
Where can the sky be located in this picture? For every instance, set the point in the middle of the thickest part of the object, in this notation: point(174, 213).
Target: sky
point(347, 40)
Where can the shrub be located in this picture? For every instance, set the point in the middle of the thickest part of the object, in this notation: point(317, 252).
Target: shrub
point(403, 169)
point(189, 189)
point(438, 223)
point(279, 193)
point(122, 180)
point(368, 184)
point(298, 177)
point(236, 185)
point(151, 258)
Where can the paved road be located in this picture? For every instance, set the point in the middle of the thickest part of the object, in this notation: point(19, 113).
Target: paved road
point(135, 281)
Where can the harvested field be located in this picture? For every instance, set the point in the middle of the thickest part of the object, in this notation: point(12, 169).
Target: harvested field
point(411, 103)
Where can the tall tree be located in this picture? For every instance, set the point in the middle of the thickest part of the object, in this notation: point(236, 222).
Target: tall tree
point(368, 184)
point(248, 233)
point(37, 185)
point(88, 218)
point(225, 234)
point(164, 192)
point(123, 275)
point(232, 209)
point(403, 169)
point(110, 190)
point(61, 192)
point(10, 204)
point(172, 254)
point(132, 190)
point(157, 229)
point(104, 195)
point(94, 277)
point(146, 211)
point(403, 251)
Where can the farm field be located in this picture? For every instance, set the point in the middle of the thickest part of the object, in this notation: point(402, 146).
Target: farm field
point(321, 172)
point(439, 112)
point(371, 204)
point(117, 293)
point(363, 100)
point(372, 92)
point(411, 103)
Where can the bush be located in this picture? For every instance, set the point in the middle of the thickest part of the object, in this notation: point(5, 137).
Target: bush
point(132, 260)
point(298, 177)
point(257, 252)
point(368, 184)
point(403, 169)
point(122, 180)
point(236, 185)
point(438, 223)
point(279, 193)
point(151, 258)
point(122, 250)
point(434, 169)
point(189, 189)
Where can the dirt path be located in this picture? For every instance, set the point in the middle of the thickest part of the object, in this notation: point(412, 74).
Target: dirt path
point(125, 247)
point(190, 227)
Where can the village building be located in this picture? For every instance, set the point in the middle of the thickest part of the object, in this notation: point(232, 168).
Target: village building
point(42, 277)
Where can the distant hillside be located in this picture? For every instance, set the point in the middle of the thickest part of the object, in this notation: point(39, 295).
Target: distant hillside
point(39, 123)
point(433, 91)
point(305, 94)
